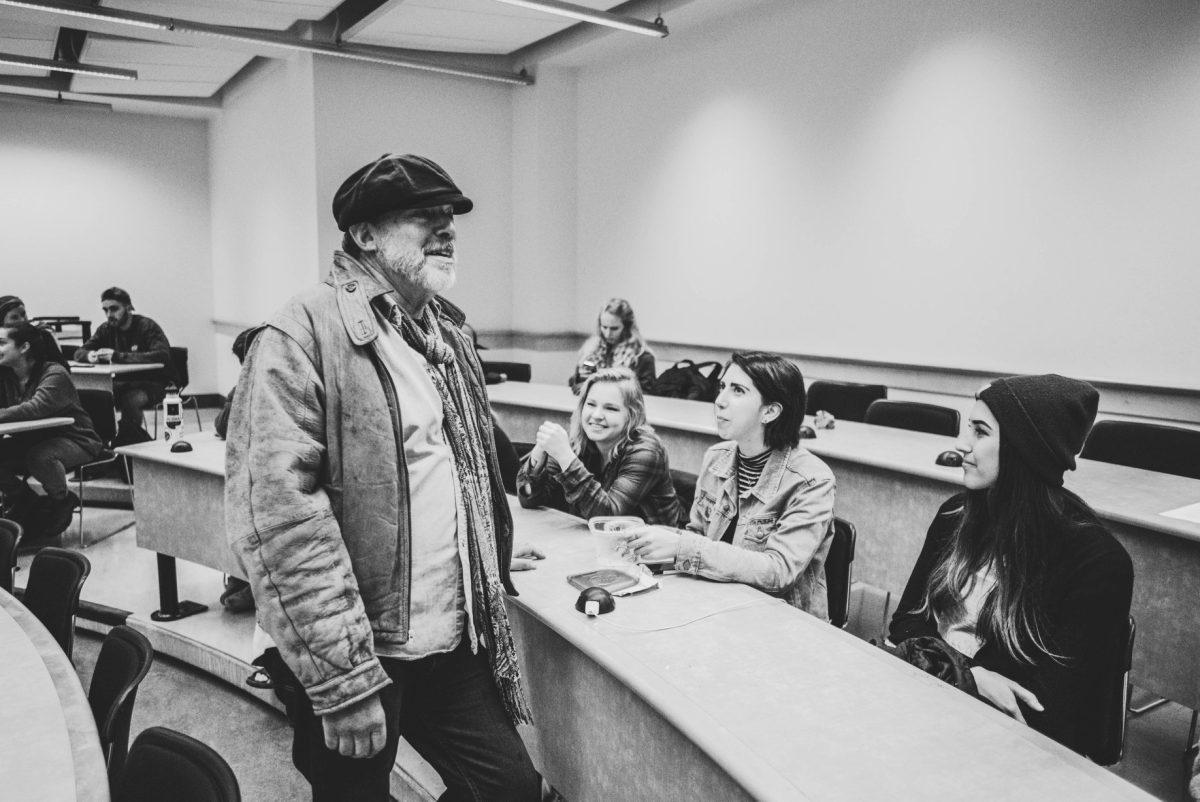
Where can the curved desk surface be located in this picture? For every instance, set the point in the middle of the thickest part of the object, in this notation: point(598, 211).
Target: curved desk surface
point(700, 690)
point(889, 487)
point(49, 747)
point(18, 426)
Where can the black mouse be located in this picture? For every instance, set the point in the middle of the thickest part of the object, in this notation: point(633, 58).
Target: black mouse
point(180, 446)
point(951, 459)
point(595, 601)
point(807, 432)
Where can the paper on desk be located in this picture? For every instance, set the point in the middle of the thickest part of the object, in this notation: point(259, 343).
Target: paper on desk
point(646, 581)
point(1189, 513)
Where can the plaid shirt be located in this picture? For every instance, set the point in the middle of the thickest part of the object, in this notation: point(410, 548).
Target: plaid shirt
point(636, 481)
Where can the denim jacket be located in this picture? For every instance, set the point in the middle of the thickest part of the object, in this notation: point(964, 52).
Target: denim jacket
point(783, 529)
point(316, 495)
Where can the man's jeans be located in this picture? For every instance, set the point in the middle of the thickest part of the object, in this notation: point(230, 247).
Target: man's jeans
point(447, 707)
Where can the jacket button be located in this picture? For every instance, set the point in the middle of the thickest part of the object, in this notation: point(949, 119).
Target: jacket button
point(352, 286)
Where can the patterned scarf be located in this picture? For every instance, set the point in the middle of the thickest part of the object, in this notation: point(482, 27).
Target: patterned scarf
point(464, 414)
point(622, 355)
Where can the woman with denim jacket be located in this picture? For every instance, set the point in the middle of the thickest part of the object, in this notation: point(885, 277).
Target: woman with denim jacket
point(611, 462)
point(1017, 574)
point(763, 504)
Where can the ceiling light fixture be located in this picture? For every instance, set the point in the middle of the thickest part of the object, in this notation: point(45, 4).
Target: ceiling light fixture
point(62, 66)
point(52, 100)
point(267, 39)
point(585, 14)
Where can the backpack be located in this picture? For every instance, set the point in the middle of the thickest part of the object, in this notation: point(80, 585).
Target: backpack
point(690, 380)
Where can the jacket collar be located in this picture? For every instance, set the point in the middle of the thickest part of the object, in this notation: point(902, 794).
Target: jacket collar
point(356, 286)
point(725, 468)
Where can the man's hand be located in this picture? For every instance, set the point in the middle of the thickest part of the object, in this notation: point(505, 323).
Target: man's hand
point(1003, 693)
point(523, 557)
point(554, 440)
point(358, 730)
point(101, 355)
point(655, 544)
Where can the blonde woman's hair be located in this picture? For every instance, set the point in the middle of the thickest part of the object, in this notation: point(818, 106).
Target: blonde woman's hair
point(631, 397)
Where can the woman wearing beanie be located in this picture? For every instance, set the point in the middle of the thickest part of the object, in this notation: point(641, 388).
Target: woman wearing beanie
point(1017, 574)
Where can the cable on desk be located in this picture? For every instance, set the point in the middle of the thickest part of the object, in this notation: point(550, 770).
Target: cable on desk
point(723, 610)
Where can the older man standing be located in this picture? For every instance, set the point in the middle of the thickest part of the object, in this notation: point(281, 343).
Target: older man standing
point(364, 502)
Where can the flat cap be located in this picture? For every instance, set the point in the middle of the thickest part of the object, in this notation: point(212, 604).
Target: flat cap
point(395, 182)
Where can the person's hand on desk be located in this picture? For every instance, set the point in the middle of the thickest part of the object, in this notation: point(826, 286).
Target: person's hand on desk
point(100, 355)
point(553, 440)
point(358, 730)
point(654, 544)
point(1003, 693)
point(523, 557)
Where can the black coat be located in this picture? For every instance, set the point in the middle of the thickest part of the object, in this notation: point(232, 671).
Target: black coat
point(1086, 606)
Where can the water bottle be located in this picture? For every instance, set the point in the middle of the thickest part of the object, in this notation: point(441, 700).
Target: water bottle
point(172, 410)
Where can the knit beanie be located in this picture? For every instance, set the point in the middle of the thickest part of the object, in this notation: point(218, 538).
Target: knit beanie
point(8, 303)
point(1045, 418)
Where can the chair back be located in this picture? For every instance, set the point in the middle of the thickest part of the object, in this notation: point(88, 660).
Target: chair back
point(843, 400)
point(98, 404)
point(914, 416)
point(10, 538)
point(511, 371)
point(685, 490)
point(838, 570)
point(165, 764)
point(1115, 703)
point(56, 579)
point(124, 660)
point(179, 366)
point(1149, 446)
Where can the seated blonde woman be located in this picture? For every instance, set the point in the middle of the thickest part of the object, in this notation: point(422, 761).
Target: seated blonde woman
point(617, 343)
point(611, 462)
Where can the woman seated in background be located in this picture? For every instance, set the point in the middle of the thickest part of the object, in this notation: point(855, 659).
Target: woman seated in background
point(611, 463)
point(763, 504)
point(617, 343)
point(1017, 574)
point(34, 386)
point(12, 313)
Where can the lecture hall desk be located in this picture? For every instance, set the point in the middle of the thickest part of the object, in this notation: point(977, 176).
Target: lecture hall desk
point(697, 690)
point(889, 487)
point(101, 376)
point(49, 746)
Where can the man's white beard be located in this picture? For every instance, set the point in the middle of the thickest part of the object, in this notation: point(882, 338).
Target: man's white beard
point(423, 271)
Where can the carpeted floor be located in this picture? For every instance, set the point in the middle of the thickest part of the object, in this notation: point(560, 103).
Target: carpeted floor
point(255, 739)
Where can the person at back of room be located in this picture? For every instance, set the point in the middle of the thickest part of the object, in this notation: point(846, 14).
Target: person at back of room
point(763, 503)
point(610, 463)
point(1017, 574)
point(13, 313)
point(127, 338)
point(617, 343)
point(33, 387)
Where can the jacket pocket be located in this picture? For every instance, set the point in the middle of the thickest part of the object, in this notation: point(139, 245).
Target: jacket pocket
point(758, 528)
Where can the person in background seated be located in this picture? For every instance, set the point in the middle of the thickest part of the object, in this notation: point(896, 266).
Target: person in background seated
point(126, 338)
point(34, 386)
point(12, 313)
point(611, 463)
point(1017, 574)
point(764, 504)
point(617, 343)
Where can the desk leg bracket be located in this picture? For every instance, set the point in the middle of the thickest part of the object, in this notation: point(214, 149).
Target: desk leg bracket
point(170, 607)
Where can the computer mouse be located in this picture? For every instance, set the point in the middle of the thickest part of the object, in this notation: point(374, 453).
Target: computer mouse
point(180, 446)
point(595, 601)
point(951, 459)
point(807, 432)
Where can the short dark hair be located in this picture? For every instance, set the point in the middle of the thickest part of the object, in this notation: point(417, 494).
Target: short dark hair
point(40, 351)
point(116, 294)
point(778, 381)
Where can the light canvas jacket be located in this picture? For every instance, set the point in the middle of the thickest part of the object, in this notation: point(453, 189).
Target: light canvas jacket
point(316, 498)
point(783, 533)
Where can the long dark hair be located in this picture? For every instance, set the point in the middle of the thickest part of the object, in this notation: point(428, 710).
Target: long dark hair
point(39, 352)
point(1011, 527)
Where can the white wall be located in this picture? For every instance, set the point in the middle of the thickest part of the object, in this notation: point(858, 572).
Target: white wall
point(365, 110)
point(91, 199)
point(264, 230)
point(1006, 186)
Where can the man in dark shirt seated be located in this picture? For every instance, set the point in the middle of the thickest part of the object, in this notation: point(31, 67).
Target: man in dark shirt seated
point(126, 338)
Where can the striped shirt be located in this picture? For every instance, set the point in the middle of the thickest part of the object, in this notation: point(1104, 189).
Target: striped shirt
point(749, 469)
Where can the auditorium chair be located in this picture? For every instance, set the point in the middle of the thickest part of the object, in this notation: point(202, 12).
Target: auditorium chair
point(179, 364)
point(56, 578)
point(124, 660)
point(839, 570)
point(1149, 446)
point(1113, 708)
point(843, 400)
point(165, 764)
point(98, 404)
point(685, 490)
point(914, 416)
point(10, 538)
point(496, 372)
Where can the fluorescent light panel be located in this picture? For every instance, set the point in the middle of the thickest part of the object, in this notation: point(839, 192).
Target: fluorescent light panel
point(62, 66)
point(593, 15)
point(268, 39)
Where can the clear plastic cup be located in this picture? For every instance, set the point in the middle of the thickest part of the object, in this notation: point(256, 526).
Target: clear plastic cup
point(609, 534)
